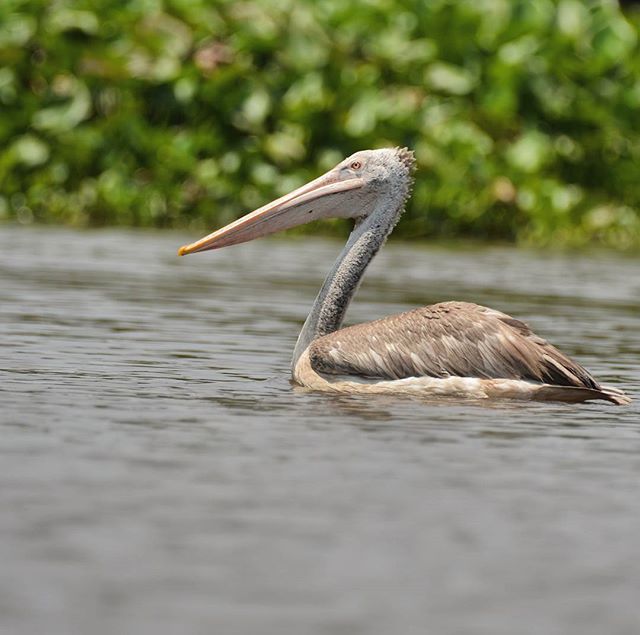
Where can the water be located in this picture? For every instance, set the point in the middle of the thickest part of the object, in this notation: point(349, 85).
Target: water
point(161, 475)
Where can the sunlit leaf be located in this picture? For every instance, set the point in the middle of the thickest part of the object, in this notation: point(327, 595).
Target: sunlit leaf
point(30, 151)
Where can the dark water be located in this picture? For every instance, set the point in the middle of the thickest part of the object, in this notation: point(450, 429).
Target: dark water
point(160, 475)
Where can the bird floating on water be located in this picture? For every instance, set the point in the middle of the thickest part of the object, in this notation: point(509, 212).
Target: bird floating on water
point(446, 349)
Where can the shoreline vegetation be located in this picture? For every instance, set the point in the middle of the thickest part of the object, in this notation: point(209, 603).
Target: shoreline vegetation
point(523, 115)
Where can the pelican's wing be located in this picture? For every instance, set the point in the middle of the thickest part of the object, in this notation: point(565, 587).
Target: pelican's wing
point(443, 340)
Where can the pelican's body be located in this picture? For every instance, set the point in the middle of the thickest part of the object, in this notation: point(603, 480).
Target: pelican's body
point(451, 348)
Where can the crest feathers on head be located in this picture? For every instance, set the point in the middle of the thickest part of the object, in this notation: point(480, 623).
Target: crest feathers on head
point(407, 157)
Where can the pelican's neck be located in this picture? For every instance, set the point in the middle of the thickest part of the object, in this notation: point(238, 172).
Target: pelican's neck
point(342, 282)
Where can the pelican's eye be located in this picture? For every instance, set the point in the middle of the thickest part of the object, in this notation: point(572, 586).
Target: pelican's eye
point(356, 165)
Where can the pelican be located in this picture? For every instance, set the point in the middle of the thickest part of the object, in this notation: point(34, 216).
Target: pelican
point(446, 349)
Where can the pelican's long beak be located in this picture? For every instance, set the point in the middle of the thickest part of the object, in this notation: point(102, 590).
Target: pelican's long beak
point(317, 199)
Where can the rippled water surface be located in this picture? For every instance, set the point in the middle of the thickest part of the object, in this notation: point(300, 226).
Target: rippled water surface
point(161, 475)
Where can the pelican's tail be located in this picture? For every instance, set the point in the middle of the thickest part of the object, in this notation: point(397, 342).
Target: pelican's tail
point(615, 395)
point(574, 394)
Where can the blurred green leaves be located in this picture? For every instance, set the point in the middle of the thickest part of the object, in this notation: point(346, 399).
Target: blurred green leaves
point(523, 113)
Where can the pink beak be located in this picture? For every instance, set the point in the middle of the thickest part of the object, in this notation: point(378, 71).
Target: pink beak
point(310, 202)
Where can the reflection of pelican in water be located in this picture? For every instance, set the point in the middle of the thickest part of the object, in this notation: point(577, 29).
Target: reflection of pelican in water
point(451, 348)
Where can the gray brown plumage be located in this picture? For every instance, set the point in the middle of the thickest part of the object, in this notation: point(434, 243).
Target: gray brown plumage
point(450, 339)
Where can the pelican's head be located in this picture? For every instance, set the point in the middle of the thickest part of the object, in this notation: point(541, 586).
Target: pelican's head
point(349, 190)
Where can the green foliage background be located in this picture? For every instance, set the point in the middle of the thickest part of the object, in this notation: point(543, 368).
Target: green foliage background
point(524, 114)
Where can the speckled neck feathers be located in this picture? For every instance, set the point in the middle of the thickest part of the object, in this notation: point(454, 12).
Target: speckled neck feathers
point(366, 239)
